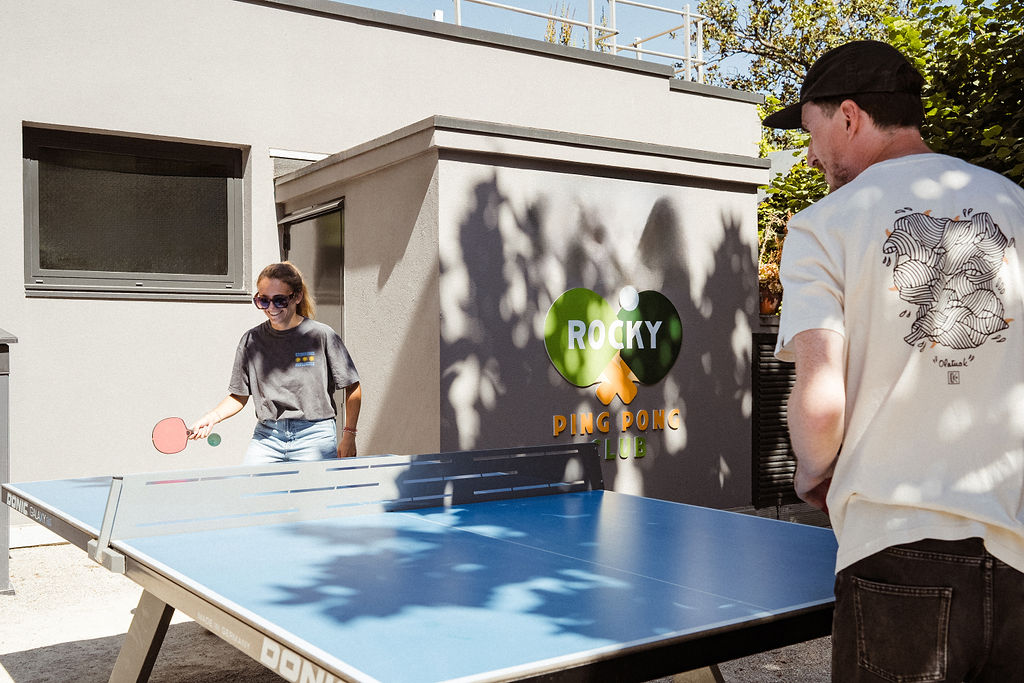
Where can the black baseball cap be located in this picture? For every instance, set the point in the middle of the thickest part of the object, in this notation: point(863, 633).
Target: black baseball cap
point(863, 66)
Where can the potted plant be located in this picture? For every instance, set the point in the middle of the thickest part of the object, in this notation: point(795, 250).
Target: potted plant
point(787, 193)
point(771, 232)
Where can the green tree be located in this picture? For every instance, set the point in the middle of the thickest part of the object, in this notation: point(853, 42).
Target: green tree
point(785, 194)
point(971, 57)
point(780, 39)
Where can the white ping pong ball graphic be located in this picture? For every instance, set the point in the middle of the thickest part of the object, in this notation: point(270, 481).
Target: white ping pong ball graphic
point(629, 298)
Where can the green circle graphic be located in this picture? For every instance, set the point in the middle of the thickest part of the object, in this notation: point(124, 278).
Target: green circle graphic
point(581, 327)
point(579, 364)
point(661, 333)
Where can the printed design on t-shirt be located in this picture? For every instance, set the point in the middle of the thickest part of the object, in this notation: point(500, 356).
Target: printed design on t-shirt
point(305, 358)
point(949, 269)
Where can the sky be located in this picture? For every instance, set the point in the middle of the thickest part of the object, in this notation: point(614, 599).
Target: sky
point(632, 22)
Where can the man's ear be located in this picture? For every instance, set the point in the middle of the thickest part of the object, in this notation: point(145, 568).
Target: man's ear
point(853, 115)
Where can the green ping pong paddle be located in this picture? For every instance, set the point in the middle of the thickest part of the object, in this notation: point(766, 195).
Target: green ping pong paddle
point(651, 362)
point(170, 436)
point(573, 353)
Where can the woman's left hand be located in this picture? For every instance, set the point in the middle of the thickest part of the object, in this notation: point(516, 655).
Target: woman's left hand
point(347, 445)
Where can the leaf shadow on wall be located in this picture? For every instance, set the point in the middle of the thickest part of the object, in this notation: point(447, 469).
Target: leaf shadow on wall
point(499, 388)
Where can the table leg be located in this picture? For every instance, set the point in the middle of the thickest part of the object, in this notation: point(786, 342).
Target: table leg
point(709, 674)
point(143, 640)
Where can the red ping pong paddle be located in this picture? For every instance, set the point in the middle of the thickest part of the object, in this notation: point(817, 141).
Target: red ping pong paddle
point(170, 435)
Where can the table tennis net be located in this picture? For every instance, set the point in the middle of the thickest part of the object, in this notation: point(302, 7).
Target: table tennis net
point(193, 500)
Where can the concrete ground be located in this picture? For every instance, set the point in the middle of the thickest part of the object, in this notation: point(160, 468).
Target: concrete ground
point(68, 616)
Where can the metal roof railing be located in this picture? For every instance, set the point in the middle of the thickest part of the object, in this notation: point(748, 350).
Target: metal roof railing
point(604, 37)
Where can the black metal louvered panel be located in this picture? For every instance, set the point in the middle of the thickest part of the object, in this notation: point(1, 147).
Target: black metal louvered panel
point(774, 463)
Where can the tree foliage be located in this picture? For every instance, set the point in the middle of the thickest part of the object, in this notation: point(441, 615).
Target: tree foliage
point(778, 40)
point(795, 190)
point(786, 194)
point(969, 51)
point(767, 46)
point(781, 38)
point(972, 58)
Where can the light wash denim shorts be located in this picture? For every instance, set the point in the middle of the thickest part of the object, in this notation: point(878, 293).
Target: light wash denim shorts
point(292, 440)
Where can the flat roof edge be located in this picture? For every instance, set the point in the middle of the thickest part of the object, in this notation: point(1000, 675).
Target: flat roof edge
point(401, 22)
point(706, 90)
point(522, 133)
point(593, 141)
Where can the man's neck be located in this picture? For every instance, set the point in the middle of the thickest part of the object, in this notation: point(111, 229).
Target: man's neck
point(900, 142)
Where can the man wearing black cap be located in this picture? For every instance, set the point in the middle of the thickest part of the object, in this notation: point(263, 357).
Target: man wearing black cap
point(904, 314)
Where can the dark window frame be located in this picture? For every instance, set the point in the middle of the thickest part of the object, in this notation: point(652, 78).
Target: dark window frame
point(151, 157)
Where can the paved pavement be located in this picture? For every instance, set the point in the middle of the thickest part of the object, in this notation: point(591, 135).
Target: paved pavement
point(68, 616)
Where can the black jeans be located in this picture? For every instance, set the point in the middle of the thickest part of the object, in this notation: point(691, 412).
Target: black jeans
point(929, 611)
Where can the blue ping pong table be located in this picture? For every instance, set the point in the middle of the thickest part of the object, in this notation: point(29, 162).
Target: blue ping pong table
point(508, 564)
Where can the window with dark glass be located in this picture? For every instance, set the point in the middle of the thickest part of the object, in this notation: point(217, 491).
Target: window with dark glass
point(108, 213)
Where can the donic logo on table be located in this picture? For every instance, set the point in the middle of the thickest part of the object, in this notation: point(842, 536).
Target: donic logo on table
point(590, 342)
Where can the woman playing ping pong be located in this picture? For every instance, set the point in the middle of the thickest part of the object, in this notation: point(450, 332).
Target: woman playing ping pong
point(291, 365)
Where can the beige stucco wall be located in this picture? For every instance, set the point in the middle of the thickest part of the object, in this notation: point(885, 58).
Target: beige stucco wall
point(510, 219)
point(524, 236)
point(391, 302)
point(90, 376)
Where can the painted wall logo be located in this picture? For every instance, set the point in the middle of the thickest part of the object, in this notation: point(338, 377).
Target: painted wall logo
point(590, 343)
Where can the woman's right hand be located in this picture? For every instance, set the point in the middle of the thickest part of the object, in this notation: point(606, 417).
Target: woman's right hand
point(202, 428)
point(225, 409)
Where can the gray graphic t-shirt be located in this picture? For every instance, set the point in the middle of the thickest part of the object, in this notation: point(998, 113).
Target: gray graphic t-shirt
point(292, 374)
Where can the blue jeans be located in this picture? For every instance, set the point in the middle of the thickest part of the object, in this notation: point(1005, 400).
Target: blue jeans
point(929, 611)
point(291, 440)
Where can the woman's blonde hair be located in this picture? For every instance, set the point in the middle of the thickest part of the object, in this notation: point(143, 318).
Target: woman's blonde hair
point(287, 273)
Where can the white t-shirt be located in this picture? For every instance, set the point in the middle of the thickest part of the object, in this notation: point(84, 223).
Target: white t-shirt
point(917, 264)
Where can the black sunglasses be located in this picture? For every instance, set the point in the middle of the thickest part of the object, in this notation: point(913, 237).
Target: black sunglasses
point(279, 301)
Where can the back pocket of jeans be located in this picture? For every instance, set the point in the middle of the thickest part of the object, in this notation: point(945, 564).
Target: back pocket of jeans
point(902, 631)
